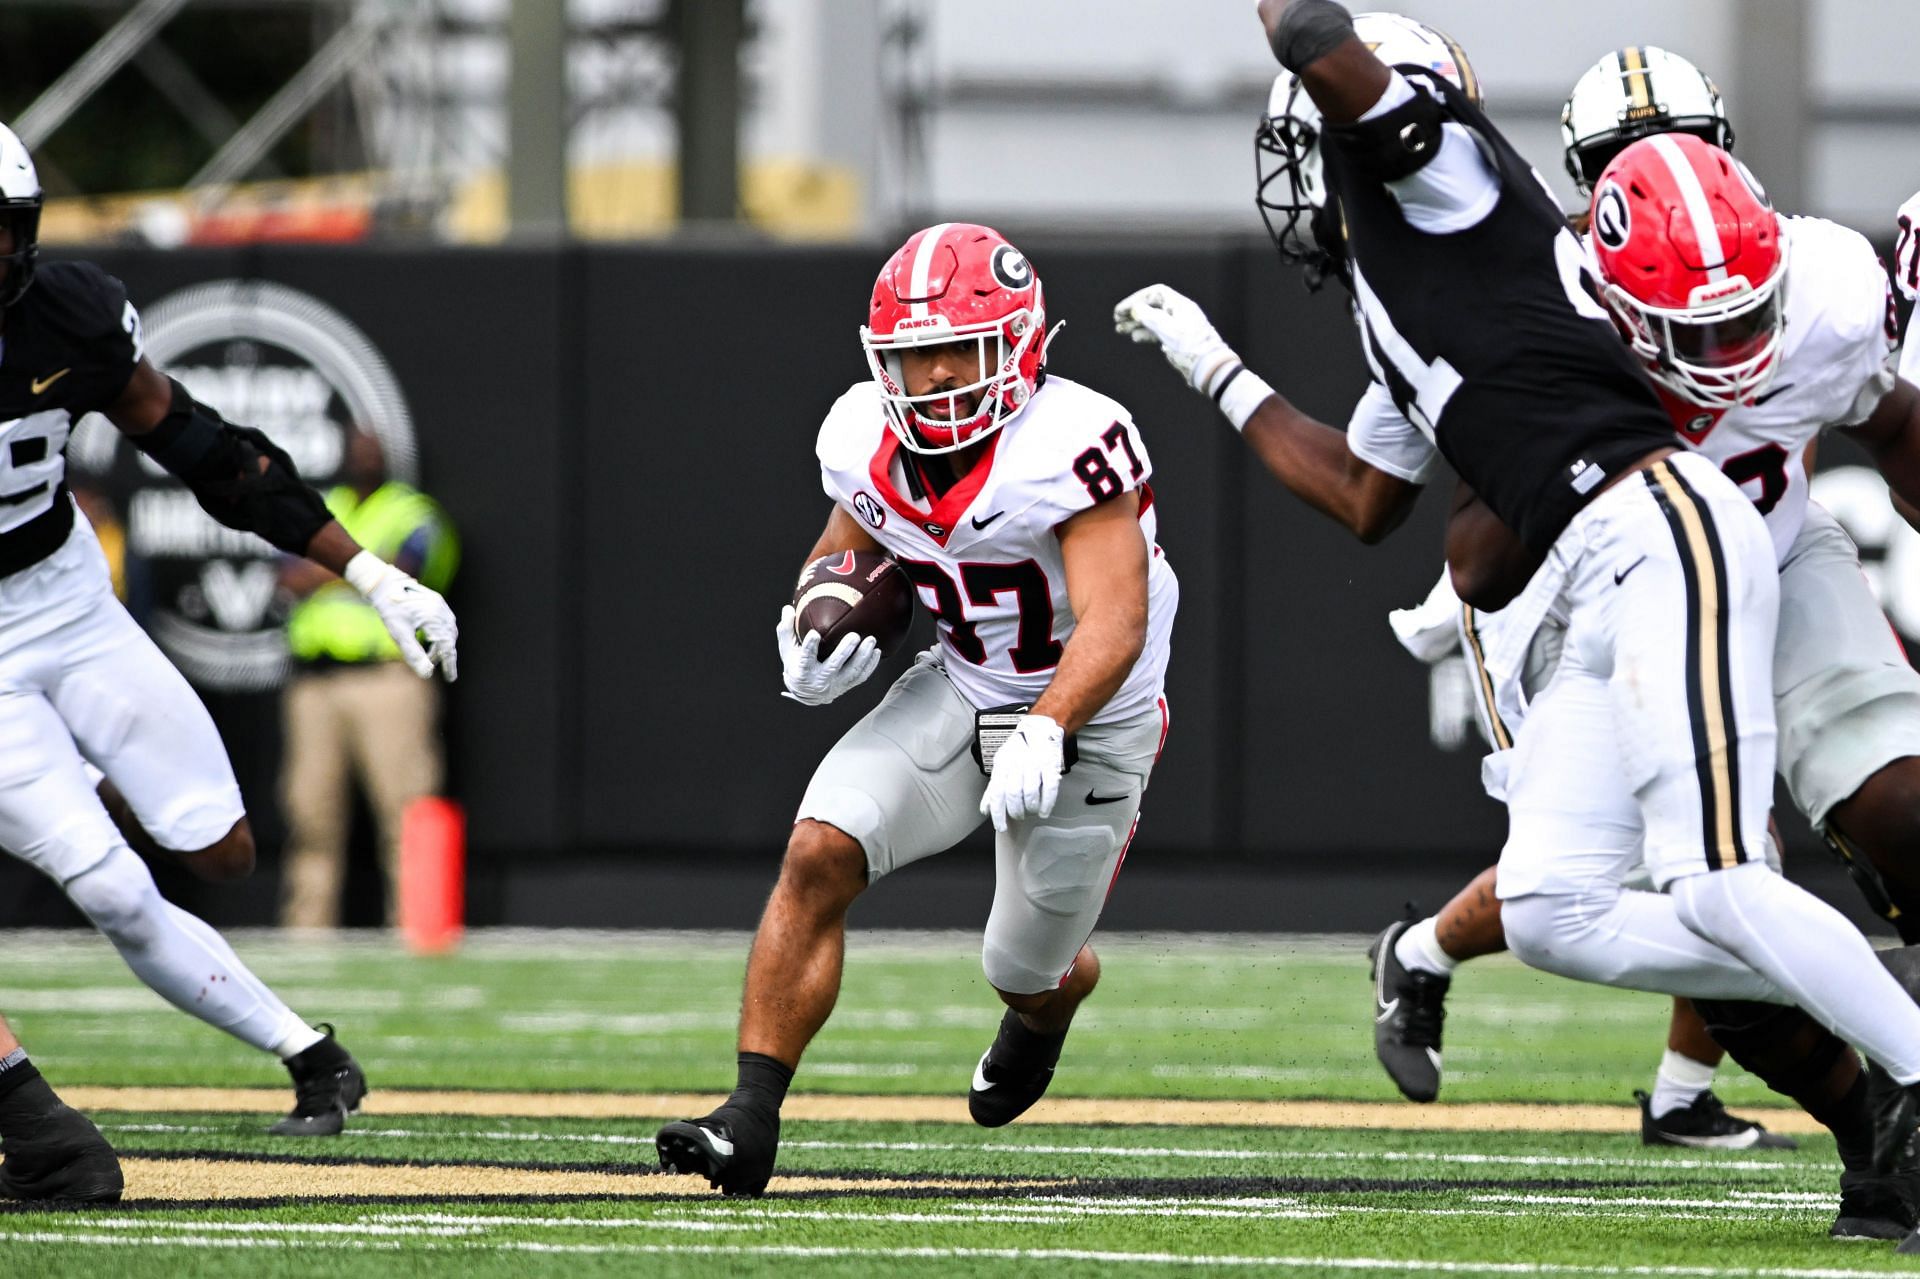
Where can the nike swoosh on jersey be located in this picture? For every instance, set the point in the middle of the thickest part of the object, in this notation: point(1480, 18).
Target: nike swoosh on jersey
point(40, 384)
point(1621, 576)
point(1758, 400)
point(979, 523)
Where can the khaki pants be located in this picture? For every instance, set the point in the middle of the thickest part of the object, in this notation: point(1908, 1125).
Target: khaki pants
point(377, 723)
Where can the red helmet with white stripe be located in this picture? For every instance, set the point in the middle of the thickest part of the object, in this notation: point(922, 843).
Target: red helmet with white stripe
point(956, 282)
point(1693, 265)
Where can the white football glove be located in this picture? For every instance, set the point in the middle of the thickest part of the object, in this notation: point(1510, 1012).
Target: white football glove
point(416, 616)
point(1026, 772)
point(813, 680)
point(1162, 316)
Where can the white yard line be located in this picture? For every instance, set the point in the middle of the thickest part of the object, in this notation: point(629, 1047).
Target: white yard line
point(885, 1255)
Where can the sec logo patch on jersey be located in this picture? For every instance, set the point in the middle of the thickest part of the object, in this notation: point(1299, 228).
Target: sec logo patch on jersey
point(869, 509)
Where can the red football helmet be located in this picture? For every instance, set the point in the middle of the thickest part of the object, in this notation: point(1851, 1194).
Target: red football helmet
point(946, 284)
point(1693, 266)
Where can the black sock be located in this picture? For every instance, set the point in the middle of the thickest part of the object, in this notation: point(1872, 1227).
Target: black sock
point(24, 1094)
point(762, 1082)
point(1851, 1121)
point(323, 1055)
point(1026, 1046)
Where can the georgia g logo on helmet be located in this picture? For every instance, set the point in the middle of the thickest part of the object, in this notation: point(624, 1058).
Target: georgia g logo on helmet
point(1612, 220)
point(1010, 267)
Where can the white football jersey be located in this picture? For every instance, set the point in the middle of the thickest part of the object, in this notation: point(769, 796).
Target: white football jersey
point(1835, 367)
point(985, 556)
point(1906, 274)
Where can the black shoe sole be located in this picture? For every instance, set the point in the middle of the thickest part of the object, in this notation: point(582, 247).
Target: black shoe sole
point(684, 1148)
point(1869, 1228)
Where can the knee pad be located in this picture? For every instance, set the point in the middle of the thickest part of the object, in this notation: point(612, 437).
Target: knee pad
point(1014, 974)
point(118, 895)
point(1547, 931)
point(1528, 923)
point(1782, 1047)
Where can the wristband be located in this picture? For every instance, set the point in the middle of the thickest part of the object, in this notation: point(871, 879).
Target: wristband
point(1308, 31)
point(364, 572)
point(1241, 395)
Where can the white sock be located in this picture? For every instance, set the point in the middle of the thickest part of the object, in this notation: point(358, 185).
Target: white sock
point(1419, 950)
point(1679, 1081)
point(181, 958)
point(1811, 952)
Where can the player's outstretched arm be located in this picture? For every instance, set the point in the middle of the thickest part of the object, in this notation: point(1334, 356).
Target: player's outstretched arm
point(813, 680)
point(1311, 458)
point(246, 482)
point(1487, 561)
point(842, 533)
point(1314, 39)
point(1891, 435)
point(1106, 561)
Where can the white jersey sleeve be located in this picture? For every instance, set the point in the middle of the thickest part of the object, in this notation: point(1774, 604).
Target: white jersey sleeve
point(1454, 190)
point(1906, 248)
point(1906, 276)
point(1854, 317)
point(1380, 435)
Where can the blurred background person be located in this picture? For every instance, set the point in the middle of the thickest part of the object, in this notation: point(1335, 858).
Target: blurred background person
point(353, 711)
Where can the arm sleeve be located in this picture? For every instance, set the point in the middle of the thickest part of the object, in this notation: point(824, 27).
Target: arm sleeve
point(1456, 189)
point(1380, 435)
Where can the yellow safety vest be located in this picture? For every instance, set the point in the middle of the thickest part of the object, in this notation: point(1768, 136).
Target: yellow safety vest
point(335, 623)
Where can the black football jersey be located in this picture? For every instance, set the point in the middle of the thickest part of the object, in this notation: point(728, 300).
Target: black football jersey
point(1491, 339)
point(68, 348)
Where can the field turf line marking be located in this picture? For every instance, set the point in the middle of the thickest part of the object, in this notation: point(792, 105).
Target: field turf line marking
point(1023, 1148)
point(950, 1109)
point(958, 1254)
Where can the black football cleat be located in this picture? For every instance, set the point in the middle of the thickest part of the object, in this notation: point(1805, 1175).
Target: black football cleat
point(1874, 1206)
point(1409, 1008)
point(733, 1148)
point(1013, 1073)
point(1896, 1115)
point(327, 1087)
point(1705, 1125)
point(58, 1156)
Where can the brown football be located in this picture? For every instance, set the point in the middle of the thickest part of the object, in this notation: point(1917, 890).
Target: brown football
point(853, 592)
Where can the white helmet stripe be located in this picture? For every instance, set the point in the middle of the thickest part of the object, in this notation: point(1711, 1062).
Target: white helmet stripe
point(1705, 233)
point(923, 267)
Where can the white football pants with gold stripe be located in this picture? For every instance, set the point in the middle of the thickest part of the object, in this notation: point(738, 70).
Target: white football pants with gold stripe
point(1662, 709)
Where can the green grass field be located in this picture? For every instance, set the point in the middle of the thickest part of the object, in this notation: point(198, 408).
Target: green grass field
point(557, 1179)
